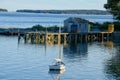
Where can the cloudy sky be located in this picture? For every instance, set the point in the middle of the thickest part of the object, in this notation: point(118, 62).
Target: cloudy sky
point(13, 5)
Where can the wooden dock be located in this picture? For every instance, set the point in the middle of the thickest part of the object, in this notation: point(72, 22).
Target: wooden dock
point(54, 38)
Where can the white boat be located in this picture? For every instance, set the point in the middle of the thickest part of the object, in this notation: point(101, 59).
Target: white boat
point(58, 65)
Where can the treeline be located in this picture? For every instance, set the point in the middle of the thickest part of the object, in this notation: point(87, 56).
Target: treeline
point(55, 29)
point(39, 28)
point(43, 29)
point(116, 26)
point(35, 28)
point(104, 26)
point(3, 10)
point(102, 12)
point(101, 27)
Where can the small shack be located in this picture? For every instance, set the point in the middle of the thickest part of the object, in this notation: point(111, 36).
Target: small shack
point(76, 25)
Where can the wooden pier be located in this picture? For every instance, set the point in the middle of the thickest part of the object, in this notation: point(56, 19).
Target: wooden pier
point(54, 38)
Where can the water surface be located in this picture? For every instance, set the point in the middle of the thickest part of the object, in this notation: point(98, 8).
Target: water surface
point(84, 61)
point(25, 20)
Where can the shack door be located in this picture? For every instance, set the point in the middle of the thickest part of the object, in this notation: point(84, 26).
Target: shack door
point(74, 28)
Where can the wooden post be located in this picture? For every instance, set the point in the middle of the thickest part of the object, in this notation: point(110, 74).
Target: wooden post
point(45, 38)
point(70, 38)
point(32, 38)
point(26, 38)
point(19, 37)
point(65, 41)
point(107, 36)
point(81, 38)
point(52, 38)
point(102, 37)
point(86, 37)
point(75, 38)
point(97, 37)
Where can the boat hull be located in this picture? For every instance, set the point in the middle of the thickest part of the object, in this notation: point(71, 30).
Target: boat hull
point(58, 67)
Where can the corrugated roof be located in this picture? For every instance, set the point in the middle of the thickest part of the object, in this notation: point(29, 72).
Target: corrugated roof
point(80, 20)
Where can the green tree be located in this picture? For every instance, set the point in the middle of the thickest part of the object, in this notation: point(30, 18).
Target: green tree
point(113, 6)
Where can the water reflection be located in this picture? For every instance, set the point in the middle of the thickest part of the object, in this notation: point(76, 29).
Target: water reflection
point(75, 50)
point(112, 67)
point(106, 65)
point(108, 44)
point(56, 75)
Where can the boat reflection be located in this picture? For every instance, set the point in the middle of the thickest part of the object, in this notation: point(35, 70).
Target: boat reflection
point(56, 75)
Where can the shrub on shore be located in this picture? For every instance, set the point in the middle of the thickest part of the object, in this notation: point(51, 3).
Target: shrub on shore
point(43, 28)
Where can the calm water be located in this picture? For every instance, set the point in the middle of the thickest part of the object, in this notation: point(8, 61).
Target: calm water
point(23, 20)
point(85, 61)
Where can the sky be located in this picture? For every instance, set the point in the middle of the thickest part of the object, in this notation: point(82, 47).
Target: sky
point(13, 5)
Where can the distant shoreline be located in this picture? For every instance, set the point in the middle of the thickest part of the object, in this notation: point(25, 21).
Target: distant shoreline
point(98, 12)
point(3, 10)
